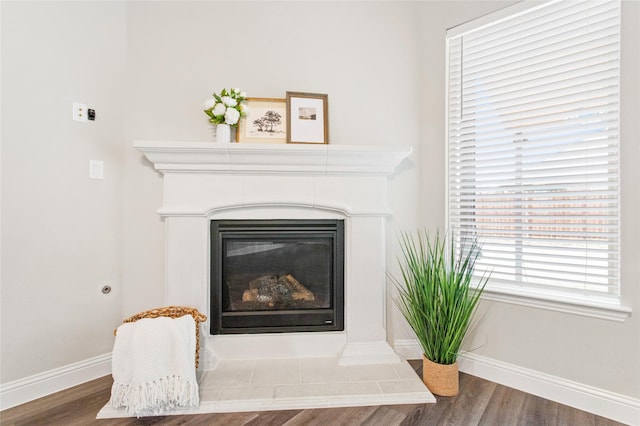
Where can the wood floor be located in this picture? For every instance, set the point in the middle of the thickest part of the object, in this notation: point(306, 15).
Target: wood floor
point(480, 402)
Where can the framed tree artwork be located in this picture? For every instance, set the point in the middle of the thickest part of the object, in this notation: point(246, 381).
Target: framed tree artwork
point(265, 122)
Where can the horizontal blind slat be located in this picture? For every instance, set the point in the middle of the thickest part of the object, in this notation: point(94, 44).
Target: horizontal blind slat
point(532, 106)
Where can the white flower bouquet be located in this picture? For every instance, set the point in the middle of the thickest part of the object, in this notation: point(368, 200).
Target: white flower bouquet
point(227, 107)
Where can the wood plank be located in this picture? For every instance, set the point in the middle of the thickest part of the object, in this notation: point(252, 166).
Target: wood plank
point(273, 418)
point(331, 416)
point(538, 412)
point(568, 416)
point(468, 407)
point(504, 407)
point(387, 415)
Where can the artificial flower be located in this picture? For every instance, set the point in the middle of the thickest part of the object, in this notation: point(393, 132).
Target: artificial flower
point(209, 103)
point(229, 101)
point(231, 116)
point(219, 109)
point(226, 107)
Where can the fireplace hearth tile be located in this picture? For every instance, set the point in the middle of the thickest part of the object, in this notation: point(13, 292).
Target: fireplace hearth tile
point(228, 373)
point(316, 383)
point(210, 394)
point(248, 393)
point(400, 386)
point(363, 373)
point(404, 371)
point(323, 370)
point(235, 386)
point(362, 389)
point(276, 372)
point(309, 390)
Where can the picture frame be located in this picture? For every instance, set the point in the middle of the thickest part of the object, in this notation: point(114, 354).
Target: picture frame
point(307, 118)
point(265, 122)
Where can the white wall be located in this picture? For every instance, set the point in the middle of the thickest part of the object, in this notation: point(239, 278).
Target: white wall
point(382, 64)
point(61, 231)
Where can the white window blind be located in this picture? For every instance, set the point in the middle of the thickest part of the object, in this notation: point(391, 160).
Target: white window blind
point(533, 147)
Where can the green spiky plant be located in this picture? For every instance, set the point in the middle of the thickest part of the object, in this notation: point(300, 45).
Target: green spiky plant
point(438, 298)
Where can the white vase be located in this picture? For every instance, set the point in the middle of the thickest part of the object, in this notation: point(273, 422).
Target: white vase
point(223, 133)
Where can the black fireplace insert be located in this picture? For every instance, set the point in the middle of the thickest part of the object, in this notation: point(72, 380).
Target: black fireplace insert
point(277, 276)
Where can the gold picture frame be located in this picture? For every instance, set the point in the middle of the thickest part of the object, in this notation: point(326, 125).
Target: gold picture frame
point(307, 118)
point(265, 122)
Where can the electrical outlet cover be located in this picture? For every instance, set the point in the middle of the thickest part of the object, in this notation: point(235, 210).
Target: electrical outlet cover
point(80, 112)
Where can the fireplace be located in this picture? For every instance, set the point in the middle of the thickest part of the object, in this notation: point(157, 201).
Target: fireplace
point(205, 182)
point(277, 276)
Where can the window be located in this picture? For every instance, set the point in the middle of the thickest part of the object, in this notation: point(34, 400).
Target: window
point(532, 130)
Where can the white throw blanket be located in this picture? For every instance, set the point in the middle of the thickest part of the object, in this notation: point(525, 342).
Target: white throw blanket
point(153, 366)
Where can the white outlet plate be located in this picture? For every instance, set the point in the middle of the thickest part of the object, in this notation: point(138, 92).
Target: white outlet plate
point(96, 169)
point(80, 112)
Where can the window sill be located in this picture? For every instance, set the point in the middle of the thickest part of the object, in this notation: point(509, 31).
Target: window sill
point(605, 311)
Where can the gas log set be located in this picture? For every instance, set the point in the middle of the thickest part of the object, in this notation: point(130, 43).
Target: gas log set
point(276, 291)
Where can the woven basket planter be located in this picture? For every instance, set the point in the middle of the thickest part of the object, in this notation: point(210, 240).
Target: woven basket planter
point(441, 380)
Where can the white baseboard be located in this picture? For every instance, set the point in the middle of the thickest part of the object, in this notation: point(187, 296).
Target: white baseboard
point(33, 387)
point(594, 400)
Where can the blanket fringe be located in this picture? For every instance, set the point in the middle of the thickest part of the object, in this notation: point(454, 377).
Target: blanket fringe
point(155, 397)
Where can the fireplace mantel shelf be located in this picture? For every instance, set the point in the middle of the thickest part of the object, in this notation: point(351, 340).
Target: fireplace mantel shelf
point(207, 157)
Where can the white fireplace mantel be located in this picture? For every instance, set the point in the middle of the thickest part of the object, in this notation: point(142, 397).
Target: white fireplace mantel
point(204, 181)
point(189, 157)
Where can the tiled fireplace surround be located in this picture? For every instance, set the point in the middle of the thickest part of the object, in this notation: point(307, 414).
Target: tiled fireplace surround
point(206, 181)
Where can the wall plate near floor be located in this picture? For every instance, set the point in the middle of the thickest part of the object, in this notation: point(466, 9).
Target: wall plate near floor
point(80, 112)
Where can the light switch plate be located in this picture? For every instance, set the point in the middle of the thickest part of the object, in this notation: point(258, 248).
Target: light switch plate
point(96, 169)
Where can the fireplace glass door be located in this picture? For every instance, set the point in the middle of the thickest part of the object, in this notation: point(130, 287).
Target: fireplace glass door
point(277, 276)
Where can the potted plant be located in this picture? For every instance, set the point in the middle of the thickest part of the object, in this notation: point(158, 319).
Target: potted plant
point(438, 299)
